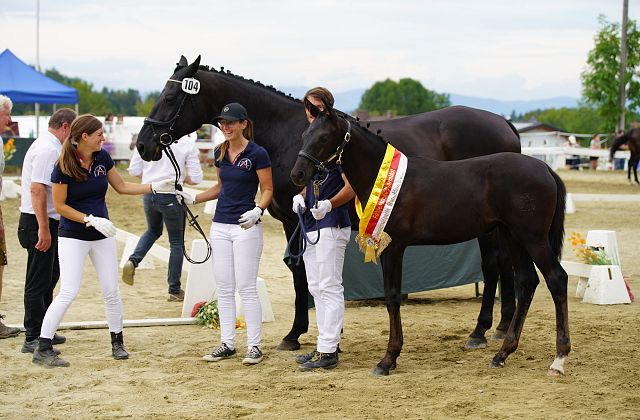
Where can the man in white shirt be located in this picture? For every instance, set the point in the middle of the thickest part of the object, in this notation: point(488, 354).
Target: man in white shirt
point(165, 208)
point(38, 225)
point(5, 117)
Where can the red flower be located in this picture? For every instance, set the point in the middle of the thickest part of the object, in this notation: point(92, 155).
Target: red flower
point(196, 308)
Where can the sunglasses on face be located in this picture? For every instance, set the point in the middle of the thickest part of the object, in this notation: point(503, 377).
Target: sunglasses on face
point(313, 110)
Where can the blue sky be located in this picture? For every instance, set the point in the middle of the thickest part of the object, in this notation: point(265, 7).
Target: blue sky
point(509, 50)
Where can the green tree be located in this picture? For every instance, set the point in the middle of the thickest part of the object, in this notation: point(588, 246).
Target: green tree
point(405, 97)
point(583, 119)
point(601, 79)
point(144, 108)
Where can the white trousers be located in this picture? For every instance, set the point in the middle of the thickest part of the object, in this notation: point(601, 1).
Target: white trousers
point(323, 263)
point(236, 257)
point(72, 254)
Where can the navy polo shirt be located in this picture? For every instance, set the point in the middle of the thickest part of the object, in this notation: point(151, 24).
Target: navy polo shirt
point(85, 196)
point(332, 184)
point(239, 182)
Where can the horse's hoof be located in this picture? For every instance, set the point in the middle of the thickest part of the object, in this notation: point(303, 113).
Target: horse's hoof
point(378, 371)
point(393, 366)
point(288, 345)
point(496, 363)
point(554, 372)
point(475, 343)
point(499, 335)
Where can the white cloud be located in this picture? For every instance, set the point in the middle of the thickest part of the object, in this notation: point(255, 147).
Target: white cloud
point(507, 50)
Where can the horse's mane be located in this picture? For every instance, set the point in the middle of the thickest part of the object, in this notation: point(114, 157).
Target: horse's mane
point(617, 142)
point(365, 128)
point(268, 88)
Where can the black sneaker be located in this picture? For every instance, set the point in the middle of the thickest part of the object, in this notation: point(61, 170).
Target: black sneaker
point(253, 357)
point(118, 351)
point(48, 358)
point(304, 358)
point(128, 272)
point(32, 346)
point(58, 339)
point(321, 360)
point(222, 352)
point(7, 332)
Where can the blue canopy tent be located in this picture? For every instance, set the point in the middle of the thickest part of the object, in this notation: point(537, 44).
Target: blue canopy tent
point(24, 84)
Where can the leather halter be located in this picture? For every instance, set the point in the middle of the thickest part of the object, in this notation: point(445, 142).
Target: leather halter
point(166, 139)
point(321, 165)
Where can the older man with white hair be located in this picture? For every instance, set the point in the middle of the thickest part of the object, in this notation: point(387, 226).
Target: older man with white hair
point(5, 118)
point(38, 225)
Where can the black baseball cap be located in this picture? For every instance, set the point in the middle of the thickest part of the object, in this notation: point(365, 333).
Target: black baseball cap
point(232, 112)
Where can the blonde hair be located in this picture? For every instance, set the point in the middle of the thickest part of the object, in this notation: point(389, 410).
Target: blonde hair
point(247, 133)
point(68, 160)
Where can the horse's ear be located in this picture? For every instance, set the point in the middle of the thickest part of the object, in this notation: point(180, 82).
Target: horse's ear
point(182, 62)
point(193, 68)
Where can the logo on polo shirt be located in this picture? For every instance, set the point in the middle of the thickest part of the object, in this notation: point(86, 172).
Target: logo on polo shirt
point(100, 170)
point(245, 163)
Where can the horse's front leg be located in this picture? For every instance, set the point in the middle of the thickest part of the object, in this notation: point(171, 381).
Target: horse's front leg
point(301, 317)
point(391, 260)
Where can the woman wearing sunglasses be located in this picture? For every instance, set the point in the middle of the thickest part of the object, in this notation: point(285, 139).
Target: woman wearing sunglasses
point(327, 209)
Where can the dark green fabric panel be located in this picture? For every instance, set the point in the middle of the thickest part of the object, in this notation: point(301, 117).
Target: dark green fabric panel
point(424, 268)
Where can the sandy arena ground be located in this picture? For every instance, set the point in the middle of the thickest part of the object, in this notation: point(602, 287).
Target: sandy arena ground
point(435, 378)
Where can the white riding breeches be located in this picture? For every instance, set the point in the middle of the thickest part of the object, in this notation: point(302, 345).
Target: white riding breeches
point(323, 264)
point(72, 254)
point(236, 257)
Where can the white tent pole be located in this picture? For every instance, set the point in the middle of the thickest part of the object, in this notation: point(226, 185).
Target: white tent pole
point(37, 120)
point(37, 63)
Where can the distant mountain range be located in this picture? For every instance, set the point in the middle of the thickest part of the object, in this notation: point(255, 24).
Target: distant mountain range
point(349, 100)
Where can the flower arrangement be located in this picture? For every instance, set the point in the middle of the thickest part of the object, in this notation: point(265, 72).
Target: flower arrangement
point(588, 255)
point(206, 314)
point(9, 149)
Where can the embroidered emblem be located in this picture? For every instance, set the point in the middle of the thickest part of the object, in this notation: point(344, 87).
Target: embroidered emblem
point(100, 170)
point(245, 163)
point(225, 109)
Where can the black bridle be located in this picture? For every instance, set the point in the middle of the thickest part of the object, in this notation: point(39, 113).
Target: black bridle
point(166, 139)
point(166, 143)
point(321, 165)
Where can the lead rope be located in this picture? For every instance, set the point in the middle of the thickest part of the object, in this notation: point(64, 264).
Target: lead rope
point(187, 215)
point(303, 237)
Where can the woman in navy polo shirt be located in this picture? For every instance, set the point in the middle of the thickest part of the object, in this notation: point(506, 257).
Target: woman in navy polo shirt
point(236, 235)
point(323, 261)
point(80, 180)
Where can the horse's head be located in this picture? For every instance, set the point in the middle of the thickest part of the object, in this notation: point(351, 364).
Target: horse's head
point(175, 113)
point(322, 143)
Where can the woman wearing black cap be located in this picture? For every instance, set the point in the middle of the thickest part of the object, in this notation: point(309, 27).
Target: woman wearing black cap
point(236, 235)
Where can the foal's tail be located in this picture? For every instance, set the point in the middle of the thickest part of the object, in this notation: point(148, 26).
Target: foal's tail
point(556, 231)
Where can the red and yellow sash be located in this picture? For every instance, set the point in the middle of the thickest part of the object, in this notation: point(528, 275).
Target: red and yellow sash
point(372, 238)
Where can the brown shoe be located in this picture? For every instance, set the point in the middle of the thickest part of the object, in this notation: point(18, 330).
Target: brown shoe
point(7, 332)
point(177, 297)
point(128, 273)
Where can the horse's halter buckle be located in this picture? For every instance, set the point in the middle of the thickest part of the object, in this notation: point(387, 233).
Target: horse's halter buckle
point(337, 154)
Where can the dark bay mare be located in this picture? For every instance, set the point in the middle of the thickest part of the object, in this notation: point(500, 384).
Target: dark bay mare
point(632, 139)
point(448, 134)
point(449, 202)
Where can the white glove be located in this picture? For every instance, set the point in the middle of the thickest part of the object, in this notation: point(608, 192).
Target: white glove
point(250, 217)
point(101, 224)
point(165, 186)
point(185, 197)
point(298, 203)
point(323, 208)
